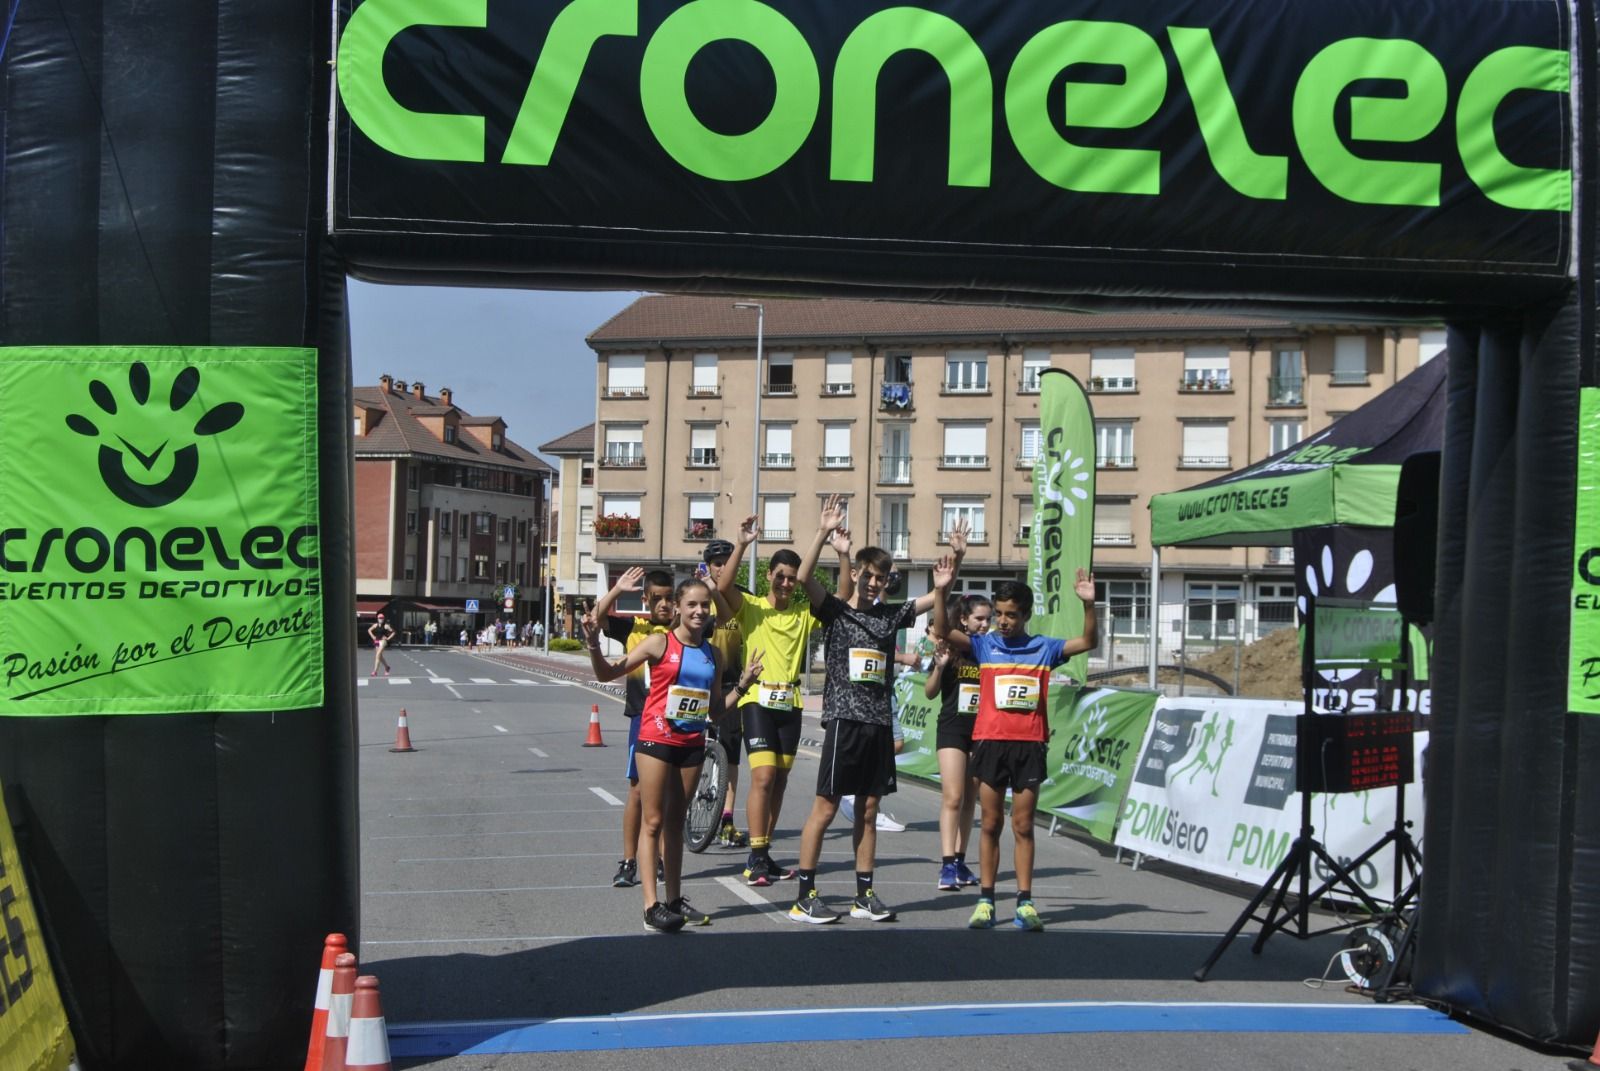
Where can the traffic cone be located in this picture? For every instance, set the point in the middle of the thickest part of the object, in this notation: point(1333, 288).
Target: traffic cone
point(1591, 1063)
point(369, 1035)
point(402, 734)
point(333, 947)
point(594, 727)
point(335, 1048)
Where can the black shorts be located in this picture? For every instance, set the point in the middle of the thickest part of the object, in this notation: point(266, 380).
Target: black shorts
point(857, 760)
point(730, 729)
point(1015, 764)
point(672, 754)
point(955, 730)
point(771, 732)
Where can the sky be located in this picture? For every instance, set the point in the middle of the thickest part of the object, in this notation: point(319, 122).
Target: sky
point(516, 354)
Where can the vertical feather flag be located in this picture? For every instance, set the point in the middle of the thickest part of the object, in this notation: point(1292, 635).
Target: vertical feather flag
point(1063, 510)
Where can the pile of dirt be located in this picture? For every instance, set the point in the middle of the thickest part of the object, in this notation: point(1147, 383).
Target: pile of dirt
point(1268, 669)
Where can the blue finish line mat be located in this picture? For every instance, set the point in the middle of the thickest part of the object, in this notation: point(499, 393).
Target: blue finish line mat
point(673, 1030)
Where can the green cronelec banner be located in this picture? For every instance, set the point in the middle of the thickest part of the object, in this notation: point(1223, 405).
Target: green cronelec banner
point(1583, 683)
point(1063, 510)
point(158, 530)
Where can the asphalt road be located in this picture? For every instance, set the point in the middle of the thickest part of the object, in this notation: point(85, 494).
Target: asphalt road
point(489, 917)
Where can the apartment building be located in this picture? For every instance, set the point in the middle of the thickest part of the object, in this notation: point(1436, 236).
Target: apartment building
point(921, 414)
point(577, 576)
point(447, 512)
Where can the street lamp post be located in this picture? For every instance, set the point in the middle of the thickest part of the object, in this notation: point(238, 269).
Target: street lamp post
point(544, 557)
point(755, 468)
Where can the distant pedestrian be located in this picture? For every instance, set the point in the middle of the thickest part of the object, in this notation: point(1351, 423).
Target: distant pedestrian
point(381, 633)
point(538, 633)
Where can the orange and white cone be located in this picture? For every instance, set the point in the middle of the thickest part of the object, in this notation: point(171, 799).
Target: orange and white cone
point(335, 1048)
point(402, 734)
point(594, 727)
point(332, 948)
point(369, 1035)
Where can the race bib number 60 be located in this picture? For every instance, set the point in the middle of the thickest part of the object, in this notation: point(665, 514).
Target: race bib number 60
point(688, 704)
point(1016, 693)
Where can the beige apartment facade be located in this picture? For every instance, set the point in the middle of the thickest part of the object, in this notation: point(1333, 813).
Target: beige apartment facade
point(574, 571)
point(922, 414)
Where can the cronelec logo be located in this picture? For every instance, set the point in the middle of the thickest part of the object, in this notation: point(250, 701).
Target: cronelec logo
point(154, 434)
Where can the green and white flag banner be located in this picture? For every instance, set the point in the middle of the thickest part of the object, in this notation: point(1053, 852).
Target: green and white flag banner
point(159, 530)
point(1583, 681)
point(1063, 511)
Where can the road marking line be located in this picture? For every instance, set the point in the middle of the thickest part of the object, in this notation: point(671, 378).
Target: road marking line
point(399, 680)
point(755, 899)
point(524, 680)
point(361, 684)
point(539, 753)
point(603, 794)
point(484, 680)
point(501, 729)
point(441, 680)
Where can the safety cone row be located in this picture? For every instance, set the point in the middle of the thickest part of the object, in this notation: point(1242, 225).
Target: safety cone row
point(369, 1034)
point(335, 1049)
point(334, 946)
point(594, 727)
point(402, 734)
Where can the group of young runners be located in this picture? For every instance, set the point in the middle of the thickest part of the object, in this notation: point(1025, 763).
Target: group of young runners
point(705, 651)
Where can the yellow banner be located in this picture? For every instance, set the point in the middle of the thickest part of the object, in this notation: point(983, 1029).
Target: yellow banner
point(33, 1024)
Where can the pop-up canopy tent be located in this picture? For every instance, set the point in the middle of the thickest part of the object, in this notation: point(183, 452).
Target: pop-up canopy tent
point(1345, 474)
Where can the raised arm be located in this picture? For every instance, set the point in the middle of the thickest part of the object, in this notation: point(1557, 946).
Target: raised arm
point(631, 580)
point(1090, 639)
point(832, 517)
point(944, 574)
point(841, 546)
point(726, 594)
point(932, 688)
point(751, 674)
point(958, 550)
point(650, 649)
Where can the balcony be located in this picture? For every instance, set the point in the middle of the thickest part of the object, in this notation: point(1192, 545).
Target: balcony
point(612, 394)
point(964, 461)
point(1113, 539)
point(1118, 461)
point(776, 535)
point(965, 388)
point(1023, 536)
point(1286, 390)
point(1027, 461)
point(1112, 384)
point(1348, 377)
point(1202, 461)
point(838, 390)
point(974, 535)
point(700, 530)
point(897, 541)
point(617, 526)
point(705, 391)
point(834, 461)
point(622, 461)
point(777, 461)
point(1194, 383)
point(895, 397)
point(894, 468)
point(702, 459)
point(779, 390)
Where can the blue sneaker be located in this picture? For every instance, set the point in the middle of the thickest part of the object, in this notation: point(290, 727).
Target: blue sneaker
point(967, 876)
point(949, 878)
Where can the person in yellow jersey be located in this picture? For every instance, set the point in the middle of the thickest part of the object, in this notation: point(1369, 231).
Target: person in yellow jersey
point(631, 630)
point(779, 625)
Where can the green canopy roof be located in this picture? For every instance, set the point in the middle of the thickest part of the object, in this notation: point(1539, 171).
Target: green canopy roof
point(1345, 474)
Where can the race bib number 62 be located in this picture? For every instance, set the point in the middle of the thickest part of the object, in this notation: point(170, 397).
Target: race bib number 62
point(1016, 693)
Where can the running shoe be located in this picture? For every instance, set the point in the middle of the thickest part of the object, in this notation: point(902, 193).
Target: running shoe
point(847, 807)
point(1027, 917)
point(888, 823)
point(731, 837)
point(627, 874)
point(982, 916)
point(691, 916)
point(662, 919)
point(757, 872)
point(967, 876)
point(868, 906)
point(813, 910)
point(949, 878)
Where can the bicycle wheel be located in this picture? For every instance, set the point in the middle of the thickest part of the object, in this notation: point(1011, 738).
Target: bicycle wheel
point(704, 816)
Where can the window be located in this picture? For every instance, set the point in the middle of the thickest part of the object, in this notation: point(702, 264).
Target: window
point(625, 375)
point(413, 473)
point(704, 384)
point(480, 567)
point(775, 518)
point(1028, 451)
point(505, 531)
point(443, 575)
point(895, 463)
point(779, 453)
point(895, 535)
point(496, 440)
point(585, 520)
point(449, 433)
point(624, 446)
point(1034, 363)
point(411, 520)
point(586, 474)
point(966, 372)
point(1126, 606)
point(1113, 522)
point(1205, 368)
point(840, 375)
point(1205, 446)
point(1429, 345)
point(836, 446)
point(1286, 385)
point(461, 568)
point(1212, 612)
point(500, 572)
point(1274, 607)
point(1113, 444)
point(702, 517)
point(357, 429)
point(780, 373)
point(1111, 368)
point(957, 509)
point(411, 566)
point(619, 518)
point(1350, 359)
point(522, 531)
point(702, 445)
point(1282, 434)
point(897, 368)
point(966, 446)
point(444, 522)
point(480, 523)
point(522, 573)
point(1024, 520)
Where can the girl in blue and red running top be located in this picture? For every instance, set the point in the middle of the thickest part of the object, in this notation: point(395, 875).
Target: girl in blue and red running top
point(685, 693)
point(1008, 740)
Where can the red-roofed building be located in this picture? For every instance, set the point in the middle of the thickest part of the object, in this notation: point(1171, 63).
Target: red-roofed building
point(447, 510)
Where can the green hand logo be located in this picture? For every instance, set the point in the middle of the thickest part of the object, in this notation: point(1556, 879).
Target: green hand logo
point(146, 434)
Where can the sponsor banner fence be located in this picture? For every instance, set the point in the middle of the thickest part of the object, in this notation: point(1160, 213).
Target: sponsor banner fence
point(1583, 682)
point(33, 1024)
point(158, 530)
point(1214, 789)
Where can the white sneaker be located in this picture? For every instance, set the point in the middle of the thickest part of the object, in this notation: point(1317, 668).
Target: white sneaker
point(887, 823)
point(847, 807)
